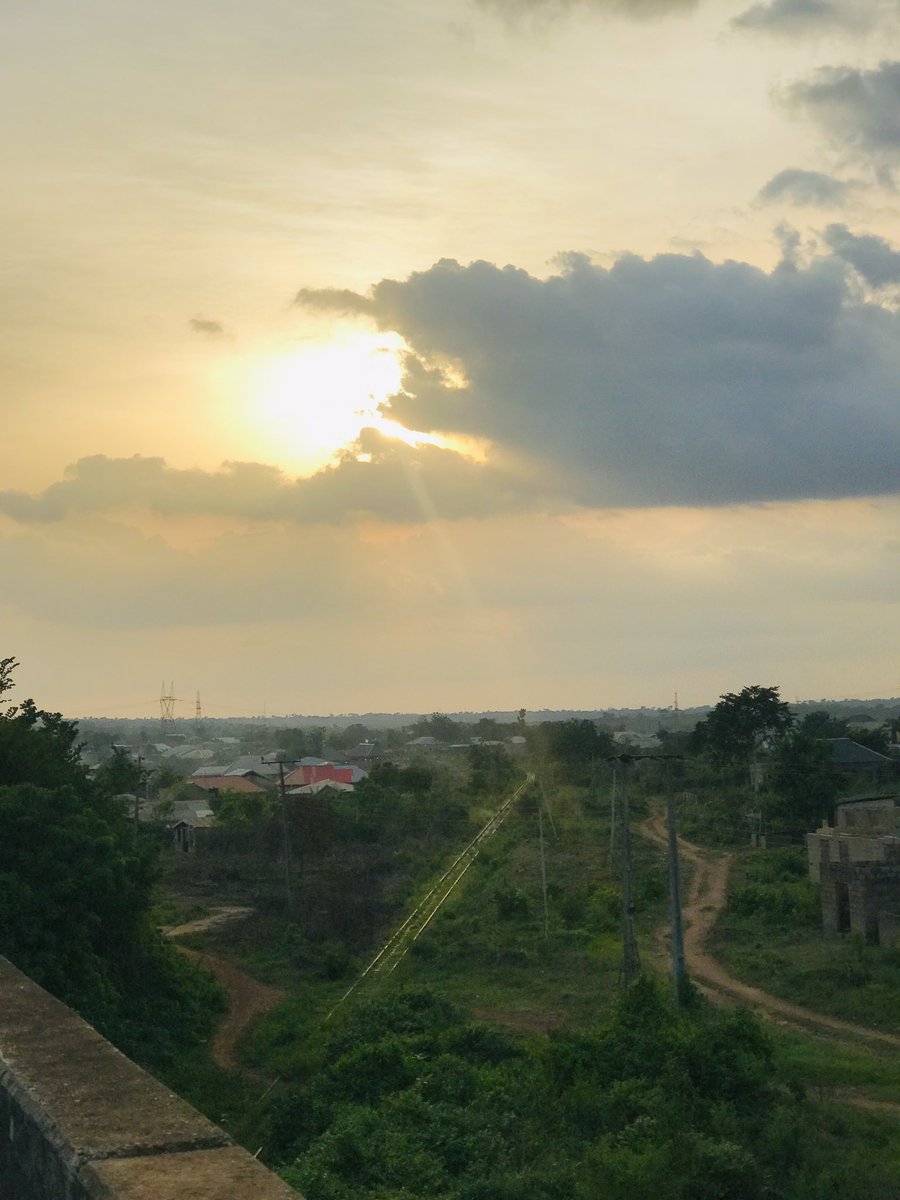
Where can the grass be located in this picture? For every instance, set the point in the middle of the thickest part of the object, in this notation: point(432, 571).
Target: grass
point(770, 936)
point(228, 1098)
point(486, 950)
point(824, 1066)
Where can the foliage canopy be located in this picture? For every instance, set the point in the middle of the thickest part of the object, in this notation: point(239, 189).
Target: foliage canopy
point(742, 722)
point(75, 892)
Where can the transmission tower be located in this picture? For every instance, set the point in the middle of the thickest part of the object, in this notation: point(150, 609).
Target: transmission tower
point(198, 713)
point(167, 705)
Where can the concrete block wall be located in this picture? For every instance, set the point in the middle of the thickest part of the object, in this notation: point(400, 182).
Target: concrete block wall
point(80, 1121)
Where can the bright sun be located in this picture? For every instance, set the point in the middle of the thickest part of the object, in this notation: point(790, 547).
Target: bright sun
point(309, 403)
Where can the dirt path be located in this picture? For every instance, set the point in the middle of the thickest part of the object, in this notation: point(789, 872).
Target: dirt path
point(247, 998)
point(223, 915)
point(705, 901)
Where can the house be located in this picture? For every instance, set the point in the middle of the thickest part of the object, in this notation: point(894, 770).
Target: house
point(856, 761)
point(212, 769)
point(322, 787)
point(857, 864)
point(317, 770)
point(364, 754)
point(184, 832)
point(254, 764)
point(230, 783)
point(183, 818)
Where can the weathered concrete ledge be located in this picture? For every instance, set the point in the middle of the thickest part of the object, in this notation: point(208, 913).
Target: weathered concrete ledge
point(80, 1121)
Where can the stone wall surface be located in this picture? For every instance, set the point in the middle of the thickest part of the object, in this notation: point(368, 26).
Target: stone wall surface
point(860, 884)
point(80, 1121)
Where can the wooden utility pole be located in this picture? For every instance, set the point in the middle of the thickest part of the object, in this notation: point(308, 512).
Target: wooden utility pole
point(612, 815)
point(543, 869)
point(679, 971)
point(631, 962)
point(137, 800)
point(286, 835)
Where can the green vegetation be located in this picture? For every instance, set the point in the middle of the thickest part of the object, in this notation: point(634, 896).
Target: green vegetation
point(827, 1068)
point(408, 1098)
point(770, 935)
point(741, 723)
point(76, 885)
point(503, 1058)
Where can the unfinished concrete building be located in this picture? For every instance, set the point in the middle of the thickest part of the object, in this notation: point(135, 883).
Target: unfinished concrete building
point(857, 862)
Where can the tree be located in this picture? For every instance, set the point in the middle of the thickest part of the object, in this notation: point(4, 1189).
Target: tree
point(803, 781)
point(120, 774)
point(821, 724)
point(439, 726)
point(873, 739)
point(742, 723)
point(75, 893)
point(576, 745)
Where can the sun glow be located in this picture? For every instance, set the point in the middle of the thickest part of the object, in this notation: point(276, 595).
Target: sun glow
point(311, 402)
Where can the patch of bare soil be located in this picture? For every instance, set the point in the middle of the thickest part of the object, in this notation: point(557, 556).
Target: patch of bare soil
point(223, 915)
point(247, 998)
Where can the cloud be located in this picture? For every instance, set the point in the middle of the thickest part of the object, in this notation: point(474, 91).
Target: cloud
point(673, 380)
point(207, 328)
point(793, 17)
point(637, 9)
point(334, 300)
point(806, 188)
point(664, 382)
point(859, 109)
point(871, 256)
point(380, 478)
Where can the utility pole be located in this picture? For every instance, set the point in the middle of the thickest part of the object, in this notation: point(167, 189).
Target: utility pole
point(543, 868)
point(137, 801)
point(631, 962)
point(612, 815)
point(547, 804)
point(679, 971)
point(286, 835)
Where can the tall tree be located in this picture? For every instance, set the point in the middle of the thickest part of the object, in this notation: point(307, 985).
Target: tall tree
point(743, 722)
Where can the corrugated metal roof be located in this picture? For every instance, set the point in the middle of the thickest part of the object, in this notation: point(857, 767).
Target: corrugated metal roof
point(228, 783)
point(321, 785)
point(847, 753)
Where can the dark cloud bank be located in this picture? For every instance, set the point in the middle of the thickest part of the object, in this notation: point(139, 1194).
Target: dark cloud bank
point(670, 381)
point(797, 17)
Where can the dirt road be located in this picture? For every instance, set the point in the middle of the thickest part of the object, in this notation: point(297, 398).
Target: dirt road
point(247, 998)
point(705, 901)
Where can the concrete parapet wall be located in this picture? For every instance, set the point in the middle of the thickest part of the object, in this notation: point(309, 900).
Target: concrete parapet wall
point(80, 1121)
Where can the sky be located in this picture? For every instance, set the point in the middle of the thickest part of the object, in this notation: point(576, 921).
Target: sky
point(479, 354)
